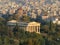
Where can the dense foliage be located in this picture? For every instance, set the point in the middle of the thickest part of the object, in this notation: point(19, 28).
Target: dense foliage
point(49, 35)
point(20, 37)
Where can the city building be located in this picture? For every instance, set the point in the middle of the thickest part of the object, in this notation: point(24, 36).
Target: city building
point(44, 17)
point(33, 15)
point(20, 11)
point(56, 21)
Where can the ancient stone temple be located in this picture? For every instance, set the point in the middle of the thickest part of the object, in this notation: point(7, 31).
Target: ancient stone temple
point(27, 26)
point(33, 27)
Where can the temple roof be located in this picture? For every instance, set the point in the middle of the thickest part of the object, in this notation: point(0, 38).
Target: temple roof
point(33, 24)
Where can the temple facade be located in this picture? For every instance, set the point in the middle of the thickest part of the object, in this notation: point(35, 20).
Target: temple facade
point(33, 27)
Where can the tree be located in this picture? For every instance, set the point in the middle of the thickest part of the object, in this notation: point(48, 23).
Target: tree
point(30, 42)
point(15, 30)
point(25, 18)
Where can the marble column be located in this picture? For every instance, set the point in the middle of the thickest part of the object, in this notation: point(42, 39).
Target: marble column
point(30, 28)
point(34, 29)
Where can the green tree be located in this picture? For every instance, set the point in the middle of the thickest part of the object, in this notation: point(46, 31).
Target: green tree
point(25, 18)
point(30, 42)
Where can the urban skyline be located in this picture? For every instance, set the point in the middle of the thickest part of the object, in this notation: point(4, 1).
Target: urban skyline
point(29, 22)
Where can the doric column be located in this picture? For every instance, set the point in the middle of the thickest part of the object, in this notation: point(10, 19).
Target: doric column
point(30, 28)
point(34, 29)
